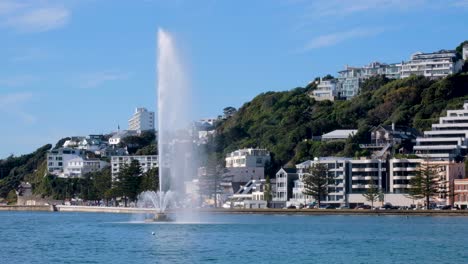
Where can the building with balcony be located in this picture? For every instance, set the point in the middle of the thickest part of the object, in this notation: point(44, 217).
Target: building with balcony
point(141, 120)
point(401, 171)
point(433, 65)
point(57, 159)
point(351, 78)
point(285, 178)
point(249, 157)
point(461, 193)
point(326, 90)
point(337, 168)
point(146, 162)
point(362, 174)
point(448, 139)
point(78, 167)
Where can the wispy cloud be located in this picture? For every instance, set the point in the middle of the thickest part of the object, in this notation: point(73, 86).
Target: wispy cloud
point(461, 3)
point(330, 8)
point(13, 104)
point(17, 80)
point(338, 37)
point(33, 16)
point(97, 79)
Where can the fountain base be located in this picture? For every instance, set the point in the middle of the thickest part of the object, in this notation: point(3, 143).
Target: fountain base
point(159, 217)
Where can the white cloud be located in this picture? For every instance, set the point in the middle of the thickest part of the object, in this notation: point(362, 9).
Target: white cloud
point(7, 6)
point(97, 79)
point(13, 103)
point(33, 16)
point(335, 38)
point(39, 19)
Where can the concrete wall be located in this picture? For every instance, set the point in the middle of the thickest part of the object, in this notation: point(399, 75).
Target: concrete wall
point(45, 208)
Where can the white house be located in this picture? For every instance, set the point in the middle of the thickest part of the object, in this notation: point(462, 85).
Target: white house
point(119, 135)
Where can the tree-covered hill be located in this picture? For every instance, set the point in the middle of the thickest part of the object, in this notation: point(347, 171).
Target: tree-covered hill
point(13, 170)
point(286, 122)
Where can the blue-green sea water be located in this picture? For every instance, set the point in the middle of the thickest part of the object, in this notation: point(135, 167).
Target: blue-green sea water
point(34, 237)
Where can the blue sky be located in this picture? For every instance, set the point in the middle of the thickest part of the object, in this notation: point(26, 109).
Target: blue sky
point(81, 67)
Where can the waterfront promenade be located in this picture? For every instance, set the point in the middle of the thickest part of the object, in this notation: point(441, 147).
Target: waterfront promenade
point(131, 210)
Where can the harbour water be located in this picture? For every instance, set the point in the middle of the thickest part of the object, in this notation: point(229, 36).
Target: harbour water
point(41, 237)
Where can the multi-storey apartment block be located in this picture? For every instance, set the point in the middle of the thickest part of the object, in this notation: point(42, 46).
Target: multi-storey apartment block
point(447, 139)
point(433, 65)
point(326, 90)
point(247, 158)
point(141, 120)
point(146, 163)
point(337, 167)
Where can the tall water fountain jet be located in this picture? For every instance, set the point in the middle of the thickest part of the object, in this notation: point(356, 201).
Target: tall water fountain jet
point(174, 141)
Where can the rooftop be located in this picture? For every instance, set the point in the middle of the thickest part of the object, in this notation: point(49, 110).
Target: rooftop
point(340, 133)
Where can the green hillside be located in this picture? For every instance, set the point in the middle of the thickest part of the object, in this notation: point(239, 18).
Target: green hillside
point(285, 122)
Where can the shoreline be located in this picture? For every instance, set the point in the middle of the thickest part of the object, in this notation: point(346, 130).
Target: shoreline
point(130, 210)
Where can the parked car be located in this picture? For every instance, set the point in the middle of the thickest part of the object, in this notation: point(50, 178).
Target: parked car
point(311, 206)
point(343, 207)
point(363, 207)
point(291, 207)
point(326, 206)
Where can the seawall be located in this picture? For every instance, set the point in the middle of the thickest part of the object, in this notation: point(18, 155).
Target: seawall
point(43, 208)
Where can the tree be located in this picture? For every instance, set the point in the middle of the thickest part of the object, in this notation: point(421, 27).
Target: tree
point(267, 192)
point(229, 111)
point(373, 193)
point(425, 184)
point(316, 182)
point(209, 184)
point(128, 180)
point(150, 180)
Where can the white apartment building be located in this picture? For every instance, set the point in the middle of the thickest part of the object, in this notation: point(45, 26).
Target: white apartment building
point(146, 162)
point(362, 174)
point(433, 65)
point(141, 120)
point(57, 159)
point(465, 52)
point(285, 178)
point(78, 167)
point(447, 139)
point(351, 78)
point(402, 170)
point(337, 167)
point(326, 90)
point(249, 157)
